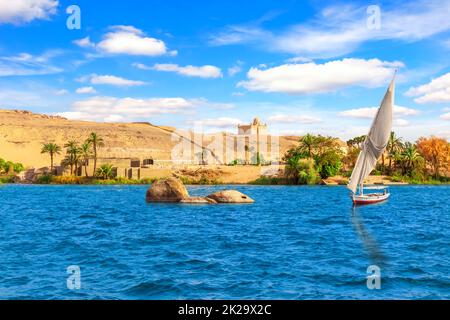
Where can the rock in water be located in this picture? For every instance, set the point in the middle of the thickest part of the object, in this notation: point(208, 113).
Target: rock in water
point(167, 190)
point(230, 196)
point(198, 200)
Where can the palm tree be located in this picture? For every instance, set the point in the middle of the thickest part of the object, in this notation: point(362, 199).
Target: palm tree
point(86, 154)
point(411, 157)
point(307, 144)
point(105, 171)
point(357, 142)
point(52, 149)
point(73, 153)
point(97, 143)
point(394, 146)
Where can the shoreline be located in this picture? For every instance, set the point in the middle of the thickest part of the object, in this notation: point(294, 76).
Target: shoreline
point(115, 183)
point(203, 180)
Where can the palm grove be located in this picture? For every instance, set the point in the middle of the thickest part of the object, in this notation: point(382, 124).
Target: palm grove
point(318, 157)
point(78, 155)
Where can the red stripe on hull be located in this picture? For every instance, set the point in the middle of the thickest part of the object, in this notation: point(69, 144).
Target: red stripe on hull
point(368, 201)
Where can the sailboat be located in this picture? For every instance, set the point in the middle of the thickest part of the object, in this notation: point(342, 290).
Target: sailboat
point(372, 149)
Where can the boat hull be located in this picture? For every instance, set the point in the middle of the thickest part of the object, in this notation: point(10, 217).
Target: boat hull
point(370, 198)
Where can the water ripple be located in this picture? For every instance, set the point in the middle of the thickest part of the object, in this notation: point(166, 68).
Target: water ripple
point(293, 243)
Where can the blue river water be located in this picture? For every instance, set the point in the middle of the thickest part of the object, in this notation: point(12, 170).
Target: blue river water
point(293, 243)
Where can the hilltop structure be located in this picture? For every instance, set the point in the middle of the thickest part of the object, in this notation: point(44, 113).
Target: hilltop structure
point(255, 128)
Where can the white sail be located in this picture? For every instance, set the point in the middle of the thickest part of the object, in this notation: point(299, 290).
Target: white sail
point(376, 141)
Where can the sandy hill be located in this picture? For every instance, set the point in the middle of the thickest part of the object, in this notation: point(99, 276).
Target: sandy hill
point(22, 134)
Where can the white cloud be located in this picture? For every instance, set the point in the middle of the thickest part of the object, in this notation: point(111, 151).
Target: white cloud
point(222, 123)
point(234, 70)
point(141, 66)
point(369, 113)
point(115, 109)
point(110, 80)
point(86, 90)
point(288, 118)
point(24, 95)
point(298, 60)
point(340, 29)
point(294, 132)
point(446, 116)
point(401, 123)
point(404, 111)
point(18, 98)
point(84, 43)
point(126, 109)
point(61, 92)
point(26, 64)
point(319, 78)
point(206, 71)
point(129, 40)
point(239, 34)
point(23, 11)
point(436, 91)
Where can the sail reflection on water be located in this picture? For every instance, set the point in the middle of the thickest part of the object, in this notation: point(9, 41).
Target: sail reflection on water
point(370, 244)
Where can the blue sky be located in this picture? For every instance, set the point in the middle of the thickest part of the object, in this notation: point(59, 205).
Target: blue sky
point(317, 66)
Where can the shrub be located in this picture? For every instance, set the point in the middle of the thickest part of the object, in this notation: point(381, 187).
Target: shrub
point(18, 167)
point(397, 177)
point(68, 180)
point(329, 164)
point(307, 173)
point(6, 179)
point(267, 181)
point(45, 179)
point(122, 180)
point(106, 171)
point(10, 167)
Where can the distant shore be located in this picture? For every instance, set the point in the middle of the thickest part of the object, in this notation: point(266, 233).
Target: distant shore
point(263, 181)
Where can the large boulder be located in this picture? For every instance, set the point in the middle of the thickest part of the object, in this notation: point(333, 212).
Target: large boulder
point(230, 196)
point(167, 190)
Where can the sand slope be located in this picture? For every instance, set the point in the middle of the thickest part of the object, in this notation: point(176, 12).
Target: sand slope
point(22, 134)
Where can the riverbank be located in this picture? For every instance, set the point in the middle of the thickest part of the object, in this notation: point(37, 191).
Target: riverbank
point(204, 180)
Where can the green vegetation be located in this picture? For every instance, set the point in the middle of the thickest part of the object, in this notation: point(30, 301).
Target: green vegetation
point(72, 180)
point(318, 157)
point(6, 179)
point(73, 156)
point(270, 181)
point(10, 168)
point(118, 181)
point(105, 171)
point(96, 143)
point(315, 158)
point(86, 154)
point(52, 149)
point(77, 156)
point(45, 179)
